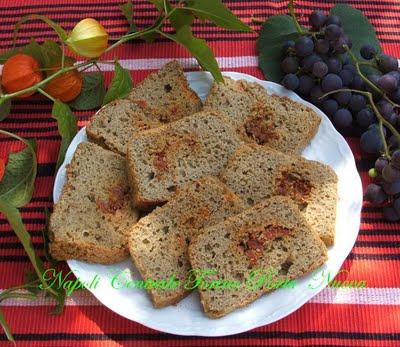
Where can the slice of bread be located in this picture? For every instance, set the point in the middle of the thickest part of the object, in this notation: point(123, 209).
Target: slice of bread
point(162, 160)
point(236, 261)
point(256, 172)
point(92, 219)
point(114, 125)
point(271, 120)
point(165, 94)
point(158, 242)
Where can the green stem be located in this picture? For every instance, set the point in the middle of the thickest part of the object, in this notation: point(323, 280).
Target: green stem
point(42, 83)
point(293, 15)
point(381, 119)
point(129, 37)
point(22, 286)
point(365, 78)
point(41, 91)
point(382, 134)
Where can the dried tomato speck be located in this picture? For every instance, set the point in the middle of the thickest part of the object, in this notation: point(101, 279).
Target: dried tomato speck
point(291, 185)
point(253, 246)
point(160, 161)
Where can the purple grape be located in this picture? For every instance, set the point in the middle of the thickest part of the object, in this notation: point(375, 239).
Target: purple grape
point(374, 78)
point(370, 141)
point(357, 103)
point(308, 62)
point(345, 59)
point(304, 46)
point(289, 65)
point(322, 46)
point(395, 96)
point(396, 75)
point(392, 118)
point(393, 142)
point(380, 164)
point(305, 85)
point(395, 160)
point(290, 81)
point(342, 118)
point(385, 108)
point(334, 65)
point(396, 205)
point(346, 76)
point(367, 52)
point(375, 194)
point(317, 19)
point(287, 46)
point(342, 98)
point(387, 63)
point(387, 83)
point(331, 82)
point(315, 95)
point(350, 67)
point(340, 43)
point(333, 31)
point(390, 174)
point(391, 188)
point(333, 20)
point(357, 83)
point(365, 118)
point(330, 106)
point(320, 69)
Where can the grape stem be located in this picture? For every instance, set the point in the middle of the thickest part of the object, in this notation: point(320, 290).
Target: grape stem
point(365, 79)
point(293, 15)
point(381, 119)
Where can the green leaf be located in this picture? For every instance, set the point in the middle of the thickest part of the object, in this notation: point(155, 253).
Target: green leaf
point(52, 54)
point(14, 218)
point(275, 31)
point(6, 327)
point(127, 10)
point(120, 86)
point(57, 28)
point(92, 94)
point(60, 302)
point(5, 108)
point(34, 50)
point(31, 277)
point(67, 127)
point(17, 185)
point(181, 17)
point(357, 28)
point(218, 13)
point(199, 49)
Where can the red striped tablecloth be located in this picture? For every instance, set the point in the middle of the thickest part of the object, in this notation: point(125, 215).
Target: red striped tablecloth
point(336, 317)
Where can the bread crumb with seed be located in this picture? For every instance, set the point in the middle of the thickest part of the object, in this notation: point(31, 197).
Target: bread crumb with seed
point(158, 242)
point(272, 238)
point(94, 215)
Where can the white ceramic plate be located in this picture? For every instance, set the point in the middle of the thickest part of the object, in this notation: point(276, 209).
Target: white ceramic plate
point(187, 318)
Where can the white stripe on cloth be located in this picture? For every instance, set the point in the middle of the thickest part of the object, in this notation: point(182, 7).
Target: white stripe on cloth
point(157, 63)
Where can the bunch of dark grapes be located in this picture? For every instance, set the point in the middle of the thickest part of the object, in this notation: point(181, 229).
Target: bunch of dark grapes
point(318, 63)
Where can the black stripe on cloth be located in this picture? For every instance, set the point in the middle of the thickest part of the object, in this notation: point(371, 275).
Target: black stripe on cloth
point(18, 245)
point(231, 4)
point(247, 335)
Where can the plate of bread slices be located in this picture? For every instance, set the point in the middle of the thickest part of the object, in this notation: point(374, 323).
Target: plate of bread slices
point(206, 208)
